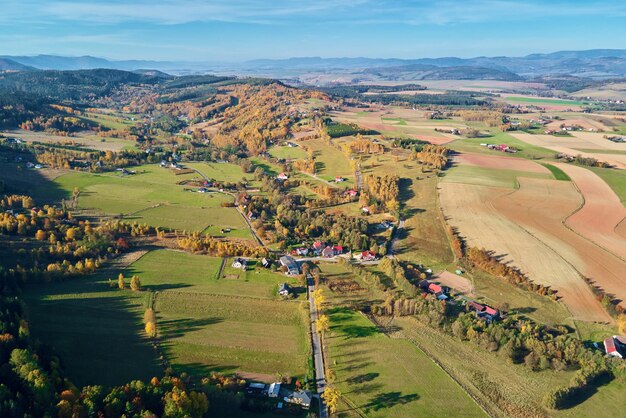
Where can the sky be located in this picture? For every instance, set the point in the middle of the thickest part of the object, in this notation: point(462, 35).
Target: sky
point(239, 30)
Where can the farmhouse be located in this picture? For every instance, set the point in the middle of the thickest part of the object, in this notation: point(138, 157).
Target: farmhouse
point(351, 193)
point(484, 311)
point(437, 290)
point(615, 346)
point(291, 264)
point(368, 256)
point(302, 251)
point(337, 250)
point(302, 398)
point(257, 389)
point(240, 263)
point(282, 177)
point(284, 289)
point(339, 179)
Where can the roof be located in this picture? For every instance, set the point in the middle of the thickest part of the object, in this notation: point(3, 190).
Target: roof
point(609, 345)
point(490, 311)
point(274, 389)
point(338, 248)
point(255, 385)
point(476, 306)
point(318, 244)
point(435, 288)
point(284, 286)
point(289, 262)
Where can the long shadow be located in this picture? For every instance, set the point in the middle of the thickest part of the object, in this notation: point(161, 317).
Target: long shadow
point(362, 378)
point(390, 399)
point(176, 328)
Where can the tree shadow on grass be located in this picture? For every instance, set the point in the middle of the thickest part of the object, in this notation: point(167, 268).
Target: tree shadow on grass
point(176, 328)
point(389, 400)
point(362, 378)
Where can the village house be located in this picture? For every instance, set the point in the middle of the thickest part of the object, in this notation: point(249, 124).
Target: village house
point(256, 389)
point(266, 263)
point(291, 264)
point(328, 252)
point(438, 291)
point(351, 193)
point(337, 250)
point(484, 311)
point(339, 179)
point(284, 289)
point(282, 177)
point(615, 346)
point(240, 263)
point(302, 251)
point(302, 398)
point(368, 256)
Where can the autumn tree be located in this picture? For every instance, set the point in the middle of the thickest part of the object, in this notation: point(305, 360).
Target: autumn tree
point(120, 281)
point(135, 283)
point(322, 324)
point(331, 396)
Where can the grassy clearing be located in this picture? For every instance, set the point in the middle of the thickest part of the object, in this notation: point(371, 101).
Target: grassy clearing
point(116, 122)
point(557, 172)
point(288, 152)
point(481, 176)
point(330, 161)
point(97, 331)
point(386, 377)
point(226, 172)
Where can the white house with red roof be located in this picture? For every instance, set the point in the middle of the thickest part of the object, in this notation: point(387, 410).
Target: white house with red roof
point(615, 346)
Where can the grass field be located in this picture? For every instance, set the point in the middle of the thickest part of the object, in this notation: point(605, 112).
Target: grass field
point(557, 172)
point(96, 331)
point(487, 176)
point(224, 172)
point(509, 390)
point(386, 377)
point(545, 101)
point(151, 196)
point(288, 152)
point(225, 324)
point(330, 161)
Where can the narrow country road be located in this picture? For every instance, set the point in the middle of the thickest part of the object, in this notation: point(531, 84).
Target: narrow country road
point(395, 238)
point(318, 356)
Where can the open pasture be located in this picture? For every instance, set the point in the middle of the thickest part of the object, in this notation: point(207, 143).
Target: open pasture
point(151, 196)
point(384, 377)
point(330, 161)
point(229, 323)
point(82, 139)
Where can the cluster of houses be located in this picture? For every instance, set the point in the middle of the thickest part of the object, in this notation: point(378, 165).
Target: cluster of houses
point(301, 398)
point(500, 147)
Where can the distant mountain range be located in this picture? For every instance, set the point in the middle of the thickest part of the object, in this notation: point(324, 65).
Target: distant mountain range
point(595, 64)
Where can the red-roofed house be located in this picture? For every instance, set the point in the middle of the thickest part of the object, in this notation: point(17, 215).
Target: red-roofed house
point(337, 250)
point(368, 256)
point(282, 176)
point(476, 306)
point(615, 346)
point(351, 193)
point(437, 290)
point(318, 245)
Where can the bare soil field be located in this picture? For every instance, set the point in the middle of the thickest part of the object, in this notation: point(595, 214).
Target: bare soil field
point(500, 162)
point(470, 208)
point(539, 206)
point(598, 140)
point(583, 122)
point(556, 145)
point(602, 212)
point(459, 283)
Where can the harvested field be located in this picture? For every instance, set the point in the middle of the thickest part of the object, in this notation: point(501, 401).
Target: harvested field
point(500, 162)
point(539, 206)
point(470, 208)
point(459, 283)
point(601, 213)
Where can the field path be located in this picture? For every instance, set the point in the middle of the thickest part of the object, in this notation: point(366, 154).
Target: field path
point(318, 354)
point(602, 213)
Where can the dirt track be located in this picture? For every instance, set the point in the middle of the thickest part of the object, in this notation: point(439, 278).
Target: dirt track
point(470, 208)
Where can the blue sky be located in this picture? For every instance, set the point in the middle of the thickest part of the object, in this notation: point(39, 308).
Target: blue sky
point(237, 30)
